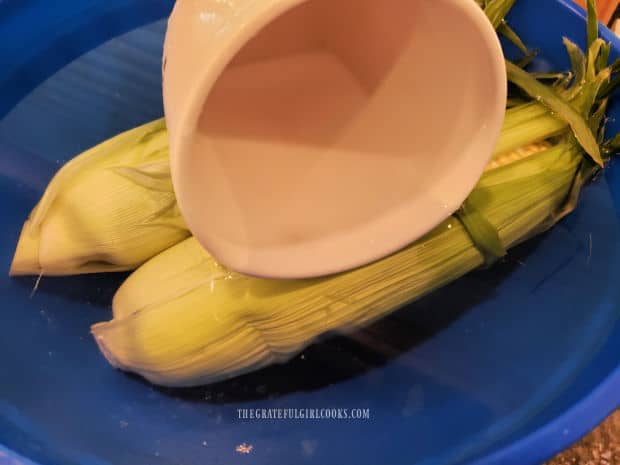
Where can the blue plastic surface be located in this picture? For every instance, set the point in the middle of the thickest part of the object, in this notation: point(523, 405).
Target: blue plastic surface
point(505, 366)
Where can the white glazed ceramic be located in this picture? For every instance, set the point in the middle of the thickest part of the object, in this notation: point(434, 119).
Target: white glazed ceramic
point(313, 136)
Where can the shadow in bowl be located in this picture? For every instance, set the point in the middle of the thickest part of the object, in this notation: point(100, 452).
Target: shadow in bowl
point(94, 289)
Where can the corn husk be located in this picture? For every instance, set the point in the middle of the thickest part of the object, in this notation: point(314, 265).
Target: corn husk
point(113, 207)
point(109, 209)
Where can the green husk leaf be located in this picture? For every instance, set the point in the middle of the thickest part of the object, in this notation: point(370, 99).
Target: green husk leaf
point(597, 119)
point(592, 28)
point(615, 66)
point(541, 128)
point(496, 10)
point(610, 87)
point(482, 233)
point(563, 86)
point(552, 76)
point(590, 93)
point(578, 64)
point(593, 55)
point(509, 33)
point(612, 146)
point(603, 59)
point(587, 170)
point(559, 106)
point(527, 59)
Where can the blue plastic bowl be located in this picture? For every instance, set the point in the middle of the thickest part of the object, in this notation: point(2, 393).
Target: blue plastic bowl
point(505, 366)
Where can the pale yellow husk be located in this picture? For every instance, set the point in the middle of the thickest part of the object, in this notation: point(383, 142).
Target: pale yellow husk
point(109, 209)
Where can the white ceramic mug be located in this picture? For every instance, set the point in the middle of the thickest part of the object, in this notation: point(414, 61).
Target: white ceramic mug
point(313, 136)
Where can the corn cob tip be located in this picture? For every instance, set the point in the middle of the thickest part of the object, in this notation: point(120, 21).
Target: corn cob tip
point(103, 348)
point(26, 258)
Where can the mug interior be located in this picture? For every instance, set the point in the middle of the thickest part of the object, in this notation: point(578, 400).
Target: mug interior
point(336, 115)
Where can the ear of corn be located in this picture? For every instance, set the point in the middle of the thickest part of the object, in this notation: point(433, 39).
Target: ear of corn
point(205, 323)
point(109, 209)
point(75, 229)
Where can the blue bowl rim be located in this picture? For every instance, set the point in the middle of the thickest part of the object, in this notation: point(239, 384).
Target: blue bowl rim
point(543, 443)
